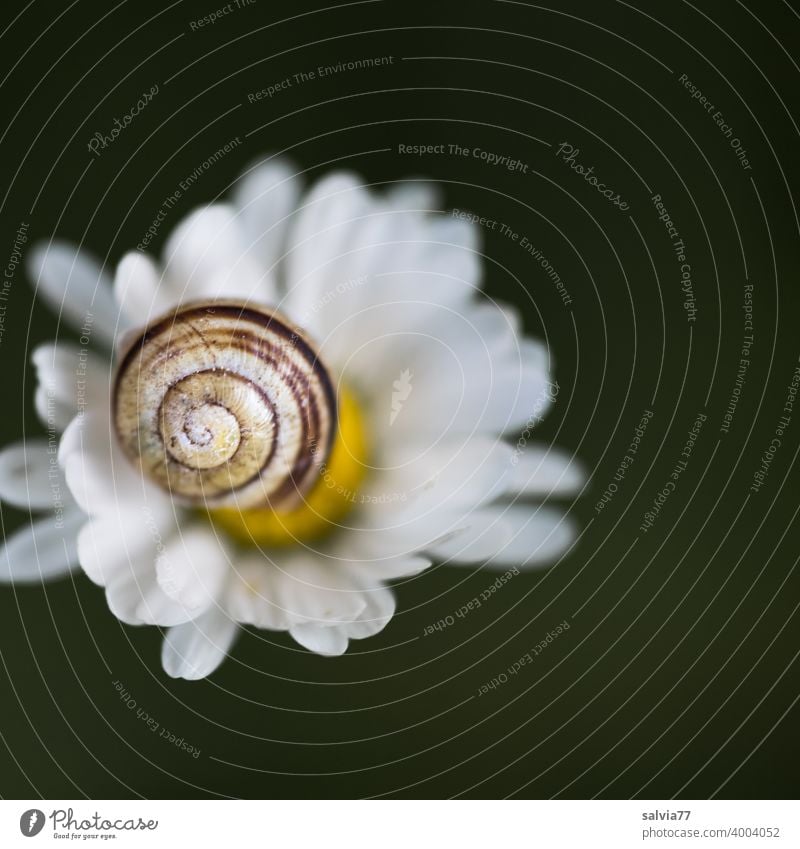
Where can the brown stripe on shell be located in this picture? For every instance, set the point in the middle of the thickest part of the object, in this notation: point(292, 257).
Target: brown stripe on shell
point(249, 383)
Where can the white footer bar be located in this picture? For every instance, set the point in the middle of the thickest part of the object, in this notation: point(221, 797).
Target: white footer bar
point(402, 824)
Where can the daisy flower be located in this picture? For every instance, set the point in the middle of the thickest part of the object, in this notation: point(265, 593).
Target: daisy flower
point(335, 341)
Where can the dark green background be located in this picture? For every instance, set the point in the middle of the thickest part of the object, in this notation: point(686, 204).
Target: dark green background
point(679, 674)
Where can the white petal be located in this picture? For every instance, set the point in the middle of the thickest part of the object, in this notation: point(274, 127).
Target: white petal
point(313, 589)
point(53, 412)
point(118, 542)
point(76, 287)
point(191, 568)
point(373, 567)
point(463, 385)
point(126, 587)
point(265, 197)
point(253, 591)
point(141, 290)
point(410, 256)
point(437, 509)
point(389, 541)
point(195, 649)
point(71, 379)
point(206, 257)
point(134, 597)
point(90, 432)
point(440, 253)
point(453, 471)
point(541, 471)
point(41, 551)
point(329, 642)
point(30, 476)
point(375, 617)
point(541, 535)
point(466, 370)
point(92, 483)
point(524, 536)
point(101, 479)
point(374, 277)
point(371, 560)
point(485, 532)
point(320, 237)
point(414, 195)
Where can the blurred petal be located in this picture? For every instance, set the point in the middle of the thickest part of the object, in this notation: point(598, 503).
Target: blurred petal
point(252, 594)
point(195, 649)
point(70, 379)
point(134, 596)
point(540, 536)
point(265, 197)
point(319, 238)
point(375, 616)
point(414, 195)
point(192, 567)
point(372, 568)
point(330, 642)
point(102, 480)
point(517, 535)
point(378, 276)
point(543, 471)
point(41, 551)
point(450, 472)
point(140, 289)
point(75, 287)
point(474, 538)
point(313, 589)
point(206, 257)
point(465, 386)
point(116, 543)
point(30, 477)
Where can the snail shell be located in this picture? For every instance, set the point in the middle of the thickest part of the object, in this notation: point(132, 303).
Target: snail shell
point(225, 404)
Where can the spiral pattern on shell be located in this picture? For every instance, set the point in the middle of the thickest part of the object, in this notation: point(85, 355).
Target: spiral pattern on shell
point(225, 404)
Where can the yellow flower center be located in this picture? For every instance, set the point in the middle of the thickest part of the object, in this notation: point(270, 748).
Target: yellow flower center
point(328, 502)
